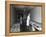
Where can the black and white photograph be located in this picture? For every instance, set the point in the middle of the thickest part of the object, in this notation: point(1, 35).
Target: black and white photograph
point(25, 18)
